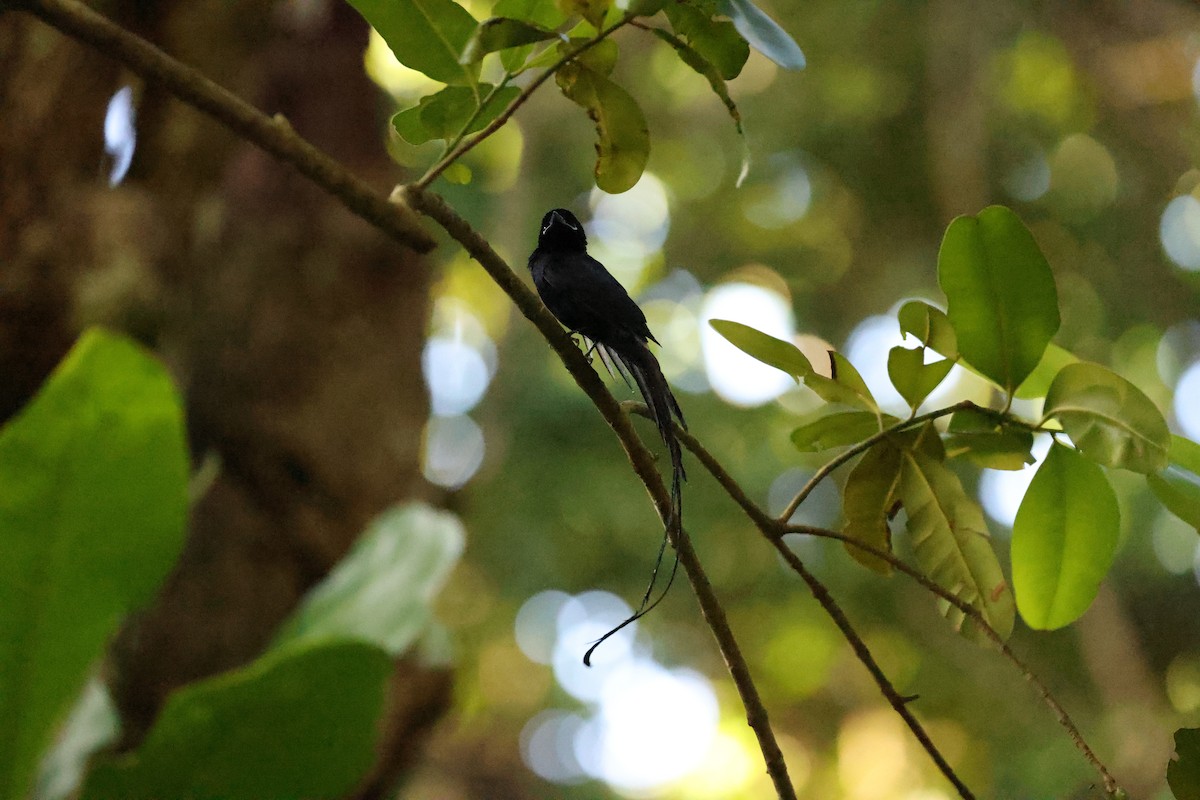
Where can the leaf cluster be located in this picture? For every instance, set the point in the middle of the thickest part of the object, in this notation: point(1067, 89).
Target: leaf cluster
point(1001, 313)
point(568, 39)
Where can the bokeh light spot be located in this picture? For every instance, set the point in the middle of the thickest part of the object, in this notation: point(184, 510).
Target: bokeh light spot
point(736, 377)
point(1179, 231)
point(453, 450)
point(1001, 491)
point(1187, 401)
point(120, 134)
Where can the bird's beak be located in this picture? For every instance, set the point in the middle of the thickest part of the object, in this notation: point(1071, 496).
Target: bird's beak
point(556, 217)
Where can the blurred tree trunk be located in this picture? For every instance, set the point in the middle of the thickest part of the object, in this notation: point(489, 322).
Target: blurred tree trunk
point(294, 329)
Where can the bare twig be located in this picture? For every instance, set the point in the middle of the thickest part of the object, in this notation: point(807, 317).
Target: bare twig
point(640, 458)
point(274, 135)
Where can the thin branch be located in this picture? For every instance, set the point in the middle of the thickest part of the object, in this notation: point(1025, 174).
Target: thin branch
point(1060, 713)
point(863, 446)
point(639, 456)
point(898, 703)
point(274, 135)
point(464, 146)
point(774, 530)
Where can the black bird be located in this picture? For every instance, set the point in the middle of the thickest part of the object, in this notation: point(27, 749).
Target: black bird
point(589, 301)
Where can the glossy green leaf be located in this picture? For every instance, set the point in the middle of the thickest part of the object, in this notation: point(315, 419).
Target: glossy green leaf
point(92, 513)
point(838, 429)
point(591, 10)
point(1000, 292)
point(869, 500)
point(442, 115)
point(951, 541)
point(763, 347)
point(426, 35)
point(1038, 382)
point(501, 33)
point(1183, 771)
point(847, 386)
point(1064, 539)
point(623, 140)
point(930, 326)
point(1108, 418)
point(382, 590)
point(1178, 486)
point(543, 13)
point(984, 440)
point(717, 41)
point(912, 377)
point(690, 56)
point(299, 722)
point(600, 58)
point(763, 33)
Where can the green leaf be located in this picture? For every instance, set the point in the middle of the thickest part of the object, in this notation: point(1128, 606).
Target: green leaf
point(600, 58)
point(1000, 292)
point(642, 8)
point(984, 440)
point(717, 41)
point(1183, 771)
point(442, 115)
point(426, 35)
point(705, 68)
point(847, 386)
point(912, 377)
point(92, 513)
point(1108, 418)
point(299, 722)
point(1178, 486)
point(382, 590)
point(836, 430)
point(869, 500)
point(1064, 539)
point(763, 33)
point(763, 347)
point(501, 33)
point(623, 140)
point(930, 326)
point(951, 540)
point(1038, 382)
point(591, 10)
point(543, 13)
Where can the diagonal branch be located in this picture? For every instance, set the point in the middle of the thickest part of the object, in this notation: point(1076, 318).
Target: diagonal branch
point(640, 458)
point(774, 531)
point(273, 134)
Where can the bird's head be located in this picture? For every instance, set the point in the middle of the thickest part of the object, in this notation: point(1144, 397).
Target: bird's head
point(561, 231)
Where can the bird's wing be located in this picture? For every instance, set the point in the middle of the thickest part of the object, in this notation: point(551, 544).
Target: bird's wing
point(594, 298)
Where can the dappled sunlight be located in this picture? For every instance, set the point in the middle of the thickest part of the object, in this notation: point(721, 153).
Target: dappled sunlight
point(646, 725)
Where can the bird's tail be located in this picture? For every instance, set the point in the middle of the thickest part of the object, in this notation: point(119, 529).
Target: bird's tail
point(639, 362)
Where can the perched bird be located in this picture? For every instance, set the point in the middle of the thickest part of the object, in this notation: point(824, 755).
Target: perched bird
point(589, 301)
